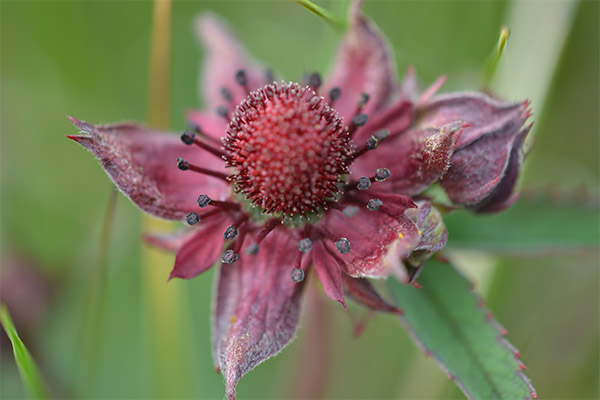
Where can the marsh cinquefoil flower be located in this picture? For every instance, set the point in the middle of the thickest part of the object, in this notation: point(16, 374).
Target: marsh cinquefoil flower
point(282, 178)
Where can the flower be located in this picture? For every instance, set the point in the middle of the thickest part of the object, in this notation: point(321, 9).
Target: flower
point(282, 178)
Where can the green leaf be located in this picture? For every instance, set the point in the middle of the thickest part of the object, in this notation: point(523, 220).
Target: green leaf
point(451, 324)
point(528, 228)
point(30, 374)
point(322, 13)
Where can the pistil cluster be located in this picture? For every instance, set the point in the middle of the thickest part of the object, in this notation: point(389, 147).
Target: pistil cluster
point(290, 153)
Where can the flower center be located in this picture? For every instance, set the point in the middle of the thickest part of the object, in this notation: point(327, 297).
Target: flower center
point(288, 148)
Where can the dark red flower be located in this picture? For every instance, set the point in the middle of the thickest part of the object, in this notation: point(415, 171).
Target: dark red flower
point(281, 178)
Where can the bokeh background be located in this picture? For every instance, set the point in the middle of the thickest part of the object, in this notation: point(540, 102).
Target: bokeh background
point(100, 326)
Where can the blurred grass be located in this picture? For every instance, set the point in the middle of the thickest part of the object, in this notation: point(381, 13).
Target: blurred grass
point(89, 59)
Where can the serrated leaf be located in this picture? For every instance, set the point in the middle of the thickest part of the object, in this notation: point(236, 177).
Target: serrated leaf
point(450, 323)
point(30, 374)
point(529, 227)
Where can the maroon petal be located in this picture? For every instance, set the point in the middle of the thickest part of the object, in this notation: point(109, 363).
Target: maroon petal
point(483, 114)
point(361, 290)
point(169, 241)
point(396, 118)
point(378, 241)
point(201, 251)
point(142, 164)
point(364, 64)
point(225, 56)
point(503, 195)
point(329, 272)
point(479, 168)
point(416, 159)
point(256, 307)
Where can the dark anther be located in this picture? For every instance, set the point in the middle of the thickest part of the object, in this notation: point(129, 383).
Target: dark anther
point(363, 183)
point(350, 211)
point(335, 94)
point(223, 111)
point(182, 164)
point(226, 94)
point(382, 134)
point(187, 137)
point(252, 249)
point(240, 77)
point(297, 275)
point(269, 76)
point(343, 245)
point(314, 80)
point(229, 257)
point(203, 200)
point(374, 204)
point(359, 120)
point(305, 245)
point(230, 233)
point(363, 99)
point(382, 174)
point(372, 143)
point(192, 218)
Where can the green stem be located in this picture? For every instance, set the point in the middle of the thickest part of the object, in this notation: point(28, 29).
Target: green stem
point(330, 18)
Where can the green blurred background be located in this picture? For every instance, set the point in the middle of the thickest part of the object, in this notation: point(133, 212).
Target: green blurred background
point(88, 320)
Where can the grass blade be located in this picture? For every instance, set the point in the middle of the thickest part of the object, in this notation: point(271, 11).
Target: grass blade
point(30, 374)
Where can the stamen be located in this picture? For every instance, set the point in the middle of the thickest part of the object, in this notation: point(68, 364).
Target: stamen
point(195, 128)
point(297, 275)
point(305, 245)
point(363, 183)
point(334, 94)
point(350, 211)
point(314, 81)
point(226, 94)
point(374, 204)
point(358, 121)
point(343, 245)
point(229, 257)
point(382, 174)
point(382, 134)
point(189, 138)
point(192, 218)
point(223, 112)
point(252, 249)
point(184, 166)
point(363, 99)
point(267, 228)
point(203, 200)
point(242, 80)
point(370, 144)
point(230, 233)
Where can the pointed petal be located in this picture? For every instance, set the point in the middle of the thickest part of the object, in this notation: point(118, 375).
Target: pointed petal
point(396, 118)
point(201, 251)
point(377, 241)
point(141, 163)
point(168, 241)
point(416, 159)
point(361, 290)
point(225, 56)
point(329, 273)
point(478, 168)
point(364, 63)
point(256, 307)
point(483, 113)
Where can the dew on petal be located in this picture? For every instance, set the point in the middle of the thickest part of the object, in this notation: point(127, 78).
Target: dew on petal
point(297, 274)
point(229, 257)
point(343, 245)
